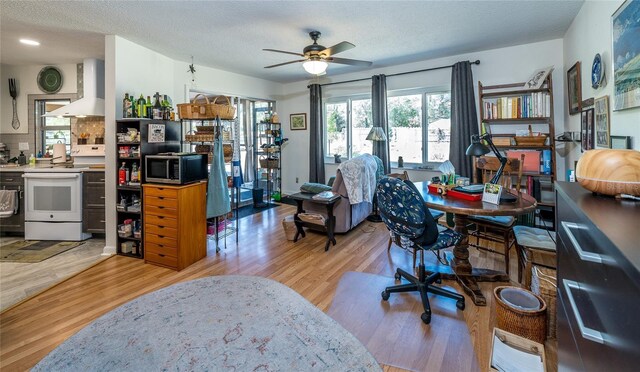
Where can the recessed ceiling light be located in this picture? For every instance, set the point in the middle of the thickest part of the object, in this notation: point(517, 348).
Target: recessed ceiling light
point(29, 42)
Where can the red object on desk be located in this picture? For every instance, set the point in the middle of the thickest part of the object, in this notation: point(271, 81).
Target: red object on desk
point(456, 194)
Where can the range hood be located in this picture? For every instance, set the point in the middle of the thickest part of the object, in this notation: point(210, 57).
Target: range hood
point(92, 104)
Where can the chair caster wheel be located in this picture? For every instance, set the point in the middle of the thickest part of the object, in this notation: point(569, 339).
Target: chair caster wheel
point(438, 281)
point(397, 276)
point(460, 304)
point(385, 295)
point(426, 318)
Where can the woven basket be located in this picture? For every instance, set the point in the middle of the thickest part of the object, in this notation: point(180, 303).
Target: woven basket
point(529, 324)
point(289, 227)
point(268, 163)
point(199, 137)
point(530, 140)
point(206, 110)
point(543, 283)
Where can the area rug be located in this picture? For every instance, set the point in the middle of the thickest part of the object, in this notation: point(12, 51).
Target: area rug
point(393, 331)
point(239, 323)
point(30, 251)
point(249, 210)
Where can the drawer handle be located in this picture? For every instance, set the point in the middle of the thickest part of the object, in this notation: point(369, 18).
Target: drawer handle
point(102, 197)
point(103, 221)
point(161, 197)
point(161, 236)
point(585, 256)
point(160, 227)
point(8, 179)
point(160, 254)
point(160, 217)
point(159, 207)
point(160, 245)
point(588, 333)
point(101, 179)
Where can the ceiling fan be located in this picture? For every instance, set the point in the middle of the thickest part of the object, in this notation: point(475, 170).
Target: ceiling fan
point(316, 56)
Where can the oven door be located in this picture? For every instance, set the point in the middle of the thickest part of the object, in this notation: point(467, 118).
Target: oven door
point(55, 197)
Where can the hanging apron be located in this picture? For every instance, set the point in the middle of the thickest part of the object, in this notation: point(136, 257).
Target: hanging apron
point(218, 202)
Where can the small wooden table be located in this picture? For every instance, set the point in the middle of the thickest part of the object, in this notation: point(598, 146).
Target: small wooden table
point(461, 269)
point(330, 221)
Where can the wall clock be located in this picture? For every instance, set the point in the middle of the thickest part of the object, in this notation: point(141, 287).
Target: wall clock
point(597, 72)
point(50, 80)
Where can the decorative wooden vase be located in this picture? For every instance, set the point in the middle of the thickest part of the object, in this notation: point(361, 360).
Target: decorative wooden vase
point(610, 172)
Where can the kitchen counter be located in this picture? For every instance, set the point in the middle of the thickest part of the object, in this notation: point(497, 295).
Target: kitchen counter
point(48, 168)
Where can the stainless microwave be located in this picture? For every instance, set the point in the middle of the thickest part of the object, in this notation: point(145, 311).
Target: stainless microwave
point(176, 168)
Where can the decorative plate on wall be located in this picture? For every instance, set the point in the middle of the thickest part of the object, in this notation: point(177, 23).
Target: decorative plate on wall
point(597, 72)
point(50, 79)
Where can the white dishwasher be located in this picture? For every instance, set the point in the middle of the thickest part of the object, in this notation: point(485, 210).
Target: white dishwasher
point(53, 204)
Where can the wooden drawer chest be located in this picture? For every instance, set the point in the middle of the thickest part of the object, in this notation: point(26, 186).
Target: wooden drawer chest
point(175, 224)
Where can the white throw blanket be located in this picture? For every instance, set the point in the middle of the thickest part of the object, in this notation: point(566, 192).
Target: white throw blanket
point(359, 176)
point(8, 203)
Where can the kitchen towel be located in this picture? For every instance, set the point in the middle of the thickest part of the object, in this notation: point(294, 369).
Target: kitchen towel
point(8, 203)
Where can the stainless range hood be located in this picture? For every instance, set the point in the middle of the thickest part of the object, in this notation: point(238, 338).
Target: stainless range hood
point(92, 104)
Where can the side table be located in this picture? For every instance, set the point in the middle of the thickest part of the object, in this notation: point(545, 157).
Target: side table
point(330, 221)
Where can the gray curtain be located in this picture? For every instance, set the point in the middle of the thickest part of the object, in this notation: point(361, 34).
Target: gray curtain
point(316, 137)
point(464, 120)
point(380, 118)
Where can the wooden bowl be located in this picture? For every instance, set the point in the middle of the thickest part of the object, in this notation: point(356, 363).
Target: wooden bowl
point(610, 172)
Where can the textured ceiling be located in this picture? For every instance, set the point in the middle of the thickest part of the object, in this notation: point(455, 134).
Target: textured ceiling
point(230, 35)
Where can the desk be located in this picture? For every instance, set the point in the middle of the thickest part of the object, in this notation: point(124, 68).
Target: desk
point(461, 269)
point(329, 224)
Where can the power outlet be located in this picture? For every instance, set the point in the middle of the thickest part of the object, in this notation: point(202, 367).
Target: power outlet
point(296, 179)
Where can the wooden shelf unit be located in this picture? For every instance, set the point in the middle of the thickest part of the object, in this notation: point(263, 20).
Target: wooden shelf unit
point(269, 159)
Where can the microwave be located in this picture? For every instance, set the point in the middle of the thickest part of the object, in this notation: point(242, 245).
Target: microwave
point(176, 168)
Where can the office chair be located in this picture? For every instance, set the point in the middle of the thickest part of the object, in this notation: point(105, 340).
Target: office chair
point(403, 211)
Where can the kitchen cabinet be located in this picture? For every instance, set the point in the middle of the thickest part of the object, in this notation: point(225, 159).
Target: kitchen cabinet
point(93, 205)
point(15, 223)
point(175, 224)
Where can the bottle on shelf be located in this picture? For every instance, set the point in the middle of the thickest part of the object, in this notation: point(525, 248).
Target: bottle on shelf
point(134, 173)
point(127, 110)
point(122, 175)
point(148, 108)
point(166, 108)
point(32, 160)
point(157, 107)
point(142, 104)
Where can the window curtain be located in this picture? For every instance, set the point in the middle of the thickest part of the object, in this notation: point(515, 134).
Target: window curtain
point(380, 118)
point(464, 120)
point(316, 137)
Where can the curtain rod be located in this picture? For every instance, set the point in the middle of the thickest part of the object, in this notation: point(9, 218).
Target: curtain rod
point(476, 62)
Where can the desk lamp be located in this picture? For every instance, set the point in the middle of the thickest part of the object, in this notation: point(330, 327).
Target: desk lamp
point(376, 134)
point(477, 148)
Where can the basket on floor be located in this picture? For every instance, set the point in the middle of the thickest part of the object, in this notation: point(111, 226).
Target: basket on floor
point(543, 283)
point(289, 227)
point(529, 324)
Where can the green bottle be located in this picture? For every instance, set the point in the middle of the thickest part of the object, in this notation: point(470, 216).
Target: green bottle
point(141, 107)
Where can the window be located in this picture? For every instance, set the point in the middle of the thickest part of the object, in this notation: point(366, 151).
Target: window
point(52, 130)
point(419, 126)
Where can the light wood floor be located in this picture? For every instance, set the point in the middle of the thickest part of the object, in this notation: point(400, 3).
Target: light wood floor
point(19, 281)
point(32, 329)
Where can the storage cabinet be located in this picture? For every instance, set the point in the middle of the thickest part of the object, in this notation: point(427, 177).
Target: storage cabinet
point(93, 206)
point(130, 150)
point(175, 225)
point(15, 223)
point(268, 159)
point(598, 281)
point(510, 109)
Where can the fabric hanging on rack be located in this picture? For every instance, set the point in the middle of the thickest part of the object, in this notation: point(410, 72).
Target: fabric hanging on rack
point(218, 202)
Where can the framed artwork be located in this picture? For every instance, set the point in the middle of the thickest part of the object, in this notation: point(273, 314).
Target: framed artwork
point(156, 133)
point(537, 78)
point(620, 142)
point(587, 129)
point(625, 50)
point(601, 112)
point(574, 86)
point(298, 121)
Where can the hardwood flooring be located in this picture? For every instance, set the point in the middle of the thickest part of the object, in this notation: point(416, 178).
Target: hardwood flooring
point(33, 328)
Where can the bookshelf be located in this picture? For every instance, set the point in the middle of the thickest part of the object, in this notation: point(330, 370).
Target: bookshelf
point(508, 111)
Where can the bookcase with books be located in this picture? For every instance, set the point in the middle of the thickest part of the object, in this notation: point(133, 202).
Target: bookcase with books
point(520, 121)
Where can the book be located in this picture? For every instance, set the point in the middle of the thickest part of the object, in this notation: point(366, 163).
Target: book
point(326, 195)
point(546, 162)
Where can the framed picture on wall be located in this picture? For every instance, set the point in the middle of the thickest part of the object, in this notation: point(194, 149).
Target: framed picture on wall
point(601, 107)
point(625, 51)
point(620, 142)
point(587, 129)
point(574, 87)
point(298, 121)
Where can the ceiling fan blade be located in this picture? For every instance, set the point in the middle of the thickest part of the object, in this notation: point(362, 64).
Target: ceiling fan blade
point(338, 48)
point(285, 63)
point(346, 61)
point(283, 51)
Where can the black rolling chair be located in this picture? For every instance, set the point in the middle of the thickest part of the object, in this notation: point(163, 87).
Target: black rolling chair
point(403, 211)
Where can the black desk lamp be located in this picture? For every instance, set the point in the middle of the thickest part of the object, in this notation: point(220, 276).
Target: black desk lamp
point(477, 148)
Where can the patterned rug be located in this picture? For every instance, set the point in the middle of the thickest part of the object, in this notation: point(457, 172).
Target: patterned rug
point(239, 323)
point(393, 332)
point(34, 250)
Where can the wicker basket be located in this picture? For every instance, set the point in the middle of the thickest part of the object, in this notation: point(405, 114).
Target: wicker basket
point(199, 137)
point(268, 163)
point(543, 283)
point(530, 140)
point(206, 110)
point(529, 324)
point(289, 227)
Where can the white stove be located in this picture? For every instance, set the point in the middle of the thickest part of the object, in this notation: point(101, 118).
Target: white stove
point(88, 154)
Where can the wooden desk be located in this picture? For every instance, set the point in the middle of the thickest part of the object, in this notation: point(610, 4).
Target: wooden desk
point(461, 269)
point(329, 224)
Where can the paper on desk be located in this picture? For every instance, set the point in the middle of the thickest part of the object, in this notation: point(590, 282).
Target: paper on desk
point(447, 168)
point(507, 358)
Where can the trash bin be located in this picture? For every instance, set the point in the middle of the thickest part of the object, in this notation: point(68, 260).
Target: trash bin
point(521, 312)
point(289, 227)
point(257, 197)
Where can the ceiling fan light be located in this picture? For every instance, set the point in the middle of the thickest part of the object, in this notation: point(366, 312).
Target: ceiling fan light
point(315, 67)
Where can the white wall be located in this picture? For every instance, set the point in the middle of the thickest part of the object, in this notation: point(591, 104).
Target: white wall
point(498, 66)
point(590, 33)
point(26, 78)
